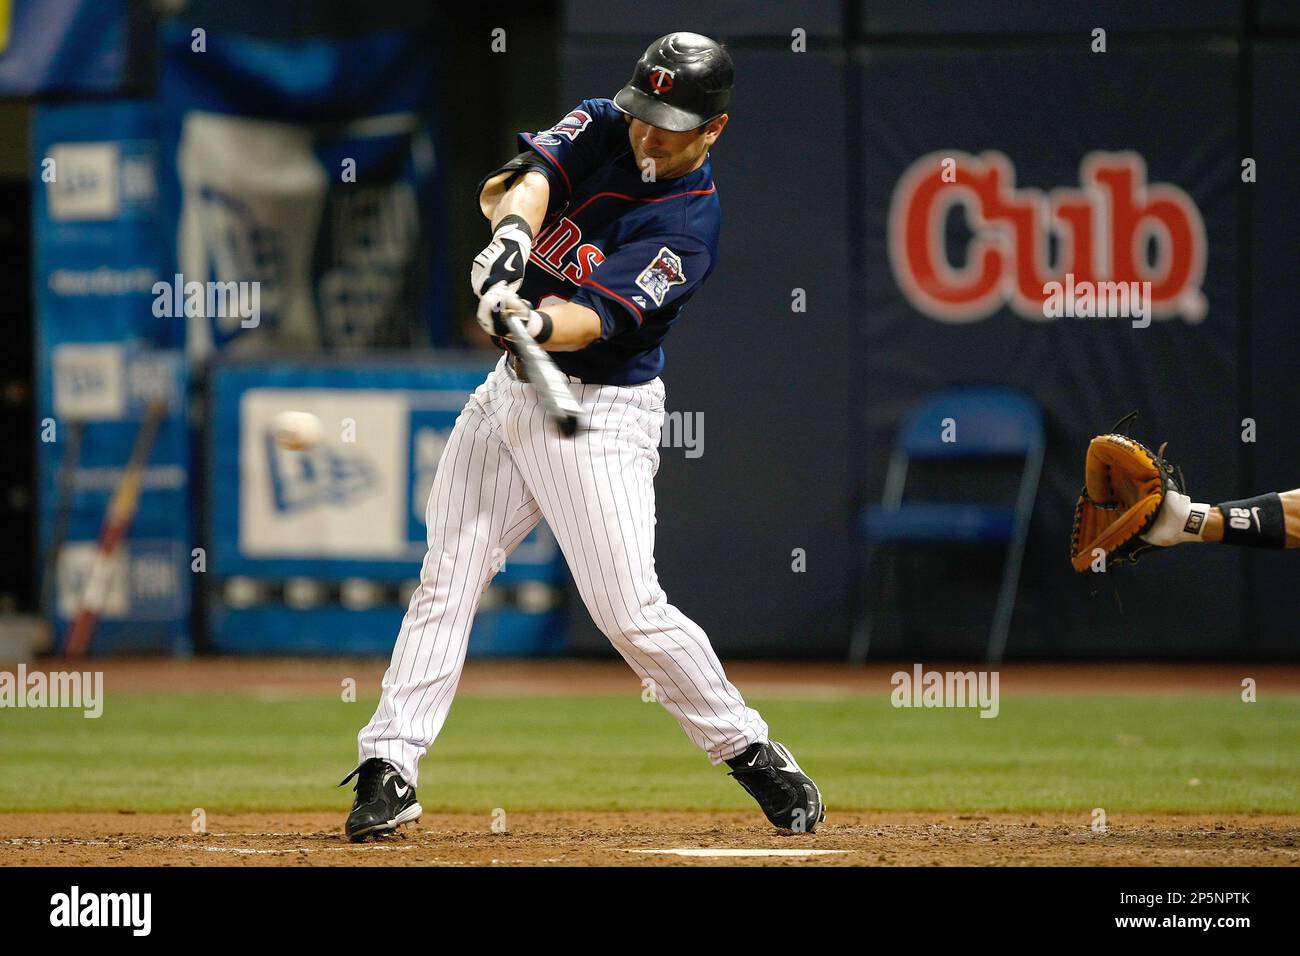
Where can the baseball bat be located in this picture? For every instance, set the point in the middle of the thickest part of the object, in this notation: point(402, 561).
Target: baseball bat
point(543, 375)
point(59, 533)
point(117, 521)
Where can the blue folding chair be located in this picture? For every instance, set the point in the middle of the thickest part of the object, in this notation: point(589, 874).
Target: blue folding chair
point(967, 423)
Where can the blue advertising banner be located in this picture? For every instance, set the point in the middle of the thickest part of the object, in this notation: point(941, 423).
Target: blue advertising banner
point(310, 170)
point(63, 46)
point(95, 222)
point(103, 357)
point(316, 550)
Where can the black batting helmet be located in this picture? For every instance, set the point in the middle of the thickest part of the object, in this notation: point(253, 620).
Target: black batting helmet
point(682, 81)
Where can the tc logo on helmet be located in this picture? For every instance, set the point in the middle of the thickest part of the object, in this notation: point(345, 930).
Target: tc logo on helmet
point(661, 79)
point(1104, 230)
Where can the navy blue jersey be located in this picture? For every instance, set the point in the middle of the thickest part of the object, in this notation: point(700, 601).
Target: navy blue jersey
point(632, 251)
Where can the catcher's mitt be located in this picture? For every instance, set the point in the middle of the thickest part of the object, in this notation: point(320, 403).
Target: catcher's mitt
point(1126, 486)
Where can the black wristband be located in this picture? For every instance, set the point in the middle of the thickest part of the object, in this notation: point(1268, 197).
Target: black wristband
point(1255, 522)
point(545, 331)
point(514, 219)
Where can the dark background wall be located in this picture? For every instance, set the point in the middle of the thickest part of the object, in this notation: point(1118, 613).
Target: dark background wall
point(1270, 345)
point(773, 386)
point(801, 409)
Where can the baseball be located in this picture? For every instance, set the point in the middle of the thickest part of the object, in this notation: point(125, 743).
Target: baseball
point(297, 431)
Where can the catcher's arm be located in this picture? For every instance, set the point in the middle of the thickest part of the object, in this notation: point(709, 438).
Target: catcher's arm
point(1134, 500)
point(1290, 501)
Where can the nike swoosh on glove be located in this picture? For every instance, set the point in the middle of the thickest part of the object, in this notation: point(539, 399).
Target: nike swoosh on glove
point(504, 258)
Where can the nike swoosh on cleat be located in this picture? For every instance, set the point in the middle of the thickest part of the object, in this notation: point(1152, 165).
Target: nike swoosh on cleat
point(511, 259)
point(401, 791)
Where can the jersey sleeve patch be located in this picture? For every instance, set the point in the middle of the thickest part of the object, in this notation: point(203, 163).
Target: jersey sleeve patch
point(569, 127)
point(663, 272)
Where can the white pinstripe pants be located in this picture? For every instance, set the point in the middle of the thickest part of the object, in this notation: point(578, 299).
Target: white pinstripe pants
point(503, 469)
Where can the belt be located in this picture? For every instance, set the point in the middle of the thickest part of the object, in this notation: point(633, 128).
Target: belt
point(516, 365)
point(521, 371)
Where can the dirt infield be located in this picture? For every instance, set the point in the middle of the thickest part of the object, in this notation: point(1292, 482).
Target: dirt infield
point(619, 839)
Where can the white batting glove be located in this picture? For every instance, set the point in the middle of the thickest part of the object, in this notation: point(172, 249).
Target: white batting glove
point(504, 258)
point(1171, 525)
point(499, 300)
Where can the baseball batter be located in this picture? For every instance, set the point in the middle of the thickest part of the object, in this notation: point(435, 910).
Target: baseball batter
point(606, 224)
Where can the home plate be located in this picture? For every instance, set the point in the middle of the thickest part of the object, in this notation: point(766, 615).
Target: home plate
point(706, 851)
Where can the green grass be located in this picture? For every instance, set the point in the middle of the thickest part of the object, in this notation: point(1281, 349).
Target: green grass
point(173, 752)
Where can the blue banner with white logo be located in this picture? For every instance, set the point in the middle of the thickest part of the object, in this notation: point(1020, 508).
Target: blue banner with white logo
point(316, 550)
point(311, 168)
point(103, 357)
point(63, 46)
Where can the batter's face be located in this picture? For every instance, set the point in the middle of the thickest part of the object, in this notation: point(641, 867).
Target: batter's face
point(673, 154)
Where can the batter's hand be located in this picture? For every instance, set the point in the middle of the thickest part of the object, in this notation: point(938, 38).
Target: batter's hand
point(501, 299)
point(504, 258)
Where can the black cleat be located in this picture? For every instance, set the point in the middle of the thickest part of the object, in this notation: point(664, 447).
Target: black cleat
point(786, 794)
point(384, 800)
